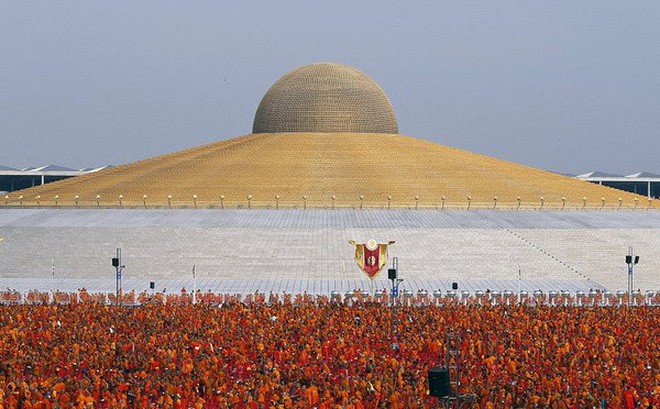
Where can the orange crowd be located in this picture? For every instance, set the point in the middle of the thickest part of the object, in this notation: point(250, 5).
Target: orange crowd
point(325, 355)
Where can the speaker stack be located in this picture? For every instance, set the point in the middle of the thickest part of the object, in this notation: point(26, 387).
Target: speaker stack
point(439, 382)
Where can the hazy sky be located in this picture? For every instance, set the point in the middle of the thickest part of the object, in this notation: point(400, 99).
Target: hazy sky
point(568, 86)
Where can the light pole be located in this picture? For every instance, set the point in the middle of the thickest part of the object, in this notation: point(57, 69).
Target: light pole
point(631, 260)
point(393, 275)
point(194, 297)
point(52, 281)
point(519, 285)
point(116, 263)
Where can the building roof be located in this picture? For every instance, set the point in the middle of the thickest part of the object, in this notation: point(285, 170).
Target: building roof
point(95, 169)
point(611, 177)
point(47, 170)
point(325, 97)
point(52, 168)
point(643, 175)
point(598, 174)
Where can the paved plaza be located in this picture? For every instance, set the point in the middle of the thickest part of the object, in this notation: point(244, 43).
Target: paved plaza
point(307, 250)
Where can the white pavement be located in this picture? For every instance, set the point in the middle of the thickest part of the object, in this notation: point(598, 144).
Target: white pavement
point(308, 250)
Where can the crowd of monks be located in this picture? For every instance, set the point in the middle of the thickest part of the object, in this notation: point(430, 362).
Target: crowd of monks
point(325, 355)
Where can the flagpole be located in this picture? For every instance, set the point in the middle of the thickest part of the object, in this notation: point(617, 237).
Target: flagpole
point(519, 295)
point(194, 299)
point(52, 281)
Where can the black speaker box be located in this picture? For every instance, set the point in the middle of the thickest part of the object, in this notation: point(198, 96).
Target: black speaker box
point(115, 262)
point(391, 274)
point(439, 382)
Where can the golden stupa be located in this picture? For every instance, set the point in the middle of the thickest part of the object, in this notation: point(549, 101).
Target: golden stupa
point(325, 136)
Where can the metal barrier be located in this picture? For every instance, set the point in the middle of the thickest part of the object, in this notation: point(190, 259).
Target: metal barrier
point(407, 298)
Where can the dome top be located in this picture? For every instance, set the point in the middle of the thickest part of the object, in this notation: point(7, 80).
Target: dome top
point(325, 98)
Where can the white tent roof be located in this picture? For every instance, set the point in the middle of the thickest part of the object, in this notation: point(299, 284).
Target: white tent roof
point(598, 174)
point(643, 175)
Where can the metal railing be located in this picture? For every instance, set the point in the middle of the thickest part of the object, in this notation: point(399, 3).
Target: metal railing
point(315, 203)
point(407, 298)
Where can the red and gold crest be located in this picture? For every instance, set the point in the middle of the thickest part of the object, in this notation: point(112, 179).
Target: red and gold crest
point(371, 256)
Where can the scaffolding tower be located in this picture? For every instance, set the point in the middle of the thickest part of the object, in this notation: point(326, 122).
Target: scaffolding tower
point(456, 399)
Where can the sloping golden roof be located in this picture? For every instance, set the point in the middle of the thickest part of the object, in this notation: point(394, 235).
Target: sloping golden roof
point(318, 166)
point(325, 97)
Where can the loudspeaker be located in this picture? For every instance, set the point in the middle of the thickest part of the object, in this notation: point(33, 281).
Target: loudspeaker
point(391, 274)
point(454, 286)
point(636, 259)
point(115, 262)
point(628, 259)
point(152, 285)
point(439, 382)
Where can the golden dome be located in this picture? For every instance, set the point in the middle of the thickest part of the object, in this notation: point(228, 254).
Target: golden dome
point(325, 98)
point(298, 156)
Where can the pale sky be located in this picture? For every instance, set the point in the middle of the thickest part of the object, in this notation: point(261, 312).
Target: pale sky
point(567, 86)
